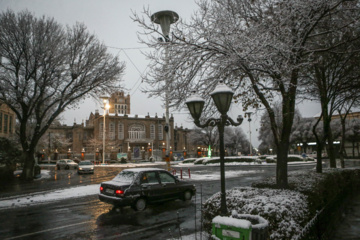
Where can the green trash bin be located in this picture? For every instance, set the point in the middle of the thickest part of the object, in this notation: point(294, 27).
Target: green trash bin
point(226, 228)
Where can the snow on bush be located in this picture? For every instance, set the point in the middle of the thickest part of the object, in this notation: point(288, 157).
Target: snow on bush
point(285, 210)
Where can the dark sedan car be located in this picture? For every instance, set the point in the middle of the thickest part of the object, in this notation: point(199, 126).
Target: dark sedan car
point(138, 187)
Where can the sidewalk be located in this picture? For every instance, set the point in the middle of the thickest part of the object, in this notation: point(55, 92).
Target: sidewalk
point(349, 226)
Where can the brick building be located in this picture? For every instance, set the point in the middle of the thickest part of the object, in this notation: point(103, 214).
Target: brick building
point(125, 132)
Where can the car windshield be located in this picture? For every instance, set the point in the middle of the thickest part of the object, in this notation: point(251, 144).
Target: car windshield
point(85, 163)
point(69, 161)
point(125, 176)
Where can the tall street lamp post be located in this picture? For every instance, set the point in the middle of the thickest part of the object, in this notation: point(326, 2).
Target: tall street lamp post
point(222, 96)
point(248, 114)
point(165, 19)
point(106, 107)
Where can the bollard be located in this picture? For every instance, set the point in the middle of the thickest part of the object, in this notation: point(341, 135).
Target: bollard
point(189, 172)
point(180, 173)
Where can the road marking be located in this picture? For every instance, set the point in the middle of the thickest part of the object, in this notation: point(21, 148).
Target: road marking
point(48, 230)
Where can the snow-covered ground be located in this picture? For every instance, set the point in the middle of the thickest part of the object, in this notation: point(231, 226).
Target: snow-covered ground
point(82, 191)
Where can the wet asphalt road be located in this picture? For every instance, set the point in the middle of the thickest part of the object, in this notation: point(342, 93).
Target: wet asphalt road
point(88, 218)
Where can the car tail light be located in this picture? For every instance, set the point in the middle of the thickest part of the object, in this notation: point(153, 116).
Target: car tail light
point(101, 189)
point(119, 192)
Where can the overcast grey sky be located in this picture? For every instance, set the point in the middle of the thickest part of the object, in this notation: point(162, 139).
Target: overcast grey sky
point(110, 21)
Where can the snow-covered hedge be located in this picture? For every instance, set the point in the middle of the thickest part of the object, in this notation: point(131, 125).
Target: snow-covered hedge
point(245, 159)
point(291, 158)
point(287, 211)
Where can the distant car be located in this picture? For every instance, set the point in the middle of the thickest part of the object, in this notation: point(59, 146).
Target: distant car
point(85, 167)
point(138, 187)
point(66, 164)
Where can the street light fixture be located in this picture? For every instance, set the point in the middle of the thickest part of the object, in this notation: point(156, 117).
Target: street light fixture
point(165, 19)
point(106, 107)
point(222, 96)
point(248, 114)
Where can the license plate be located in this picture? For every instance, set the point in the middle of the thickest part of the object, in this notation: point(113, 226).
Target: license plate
point(110, 191)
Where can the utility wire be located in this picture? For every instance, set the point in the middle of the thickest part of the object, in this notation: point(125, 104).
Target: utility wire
point(137, 69)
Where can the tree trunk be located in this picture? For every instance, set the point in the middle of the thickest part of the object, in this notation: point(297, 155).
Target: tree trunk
point(29, 163)
point(281, 166)
point(318, 158)
point(331, 149)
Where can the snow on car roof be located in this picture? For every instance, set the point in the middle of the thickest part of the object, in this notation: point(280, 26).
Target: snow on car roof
point(143, 169)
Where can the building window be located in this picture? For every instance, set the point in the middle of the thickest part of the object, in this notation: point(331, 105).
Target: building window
point(10, 125)
point(137, 131)
point(1, 122)
point(160, 132)
point(152, 131)
point(5, 123)
point(101, 130)
point(120, 131)
point(112, 131)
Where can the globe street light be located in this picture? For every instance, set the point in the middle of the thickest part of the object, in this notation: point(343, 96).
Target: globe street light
point(165, 19)
point(106, 107)
point(222, 96)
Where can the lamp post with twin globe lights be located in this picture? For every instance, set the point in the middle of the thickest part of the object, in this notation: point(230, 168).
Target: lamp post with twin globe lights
point(248, 114)
point(106, 107)
point(165, 19)
point(222, 96)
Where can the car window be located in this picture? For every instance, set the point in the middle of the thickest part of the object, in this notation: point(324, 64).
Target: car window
point(85, 163)
point(166, 178)
point(125, 177)
point(69, 161)
point(149, 177)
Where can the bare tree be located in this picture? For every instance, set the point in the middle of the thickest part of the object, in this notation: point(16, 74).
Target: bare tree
point(208, 136)
point(334, 72)
point(45, 69)
point(236, 141)
point(257, 47)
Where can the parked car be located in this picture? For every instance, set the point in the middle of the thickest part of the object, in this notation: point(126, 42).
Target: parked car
point(85, 167)
point(66, 164)
point(138, 187)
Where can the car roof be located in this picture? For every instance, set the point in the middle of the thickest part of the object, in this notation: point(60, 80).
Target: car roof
point(143, 169)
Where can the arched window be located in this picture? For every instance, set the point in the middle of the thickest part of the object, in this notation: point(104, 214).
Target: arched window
point(101, 130)
point(112, 131)
point(120, 131)
point(152, 131)
point(137, 131)
point(161, 132)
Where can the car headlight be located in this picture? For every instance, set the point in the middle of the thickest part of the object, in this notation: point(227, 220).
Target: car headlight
point(92, 168)
point(80, 168)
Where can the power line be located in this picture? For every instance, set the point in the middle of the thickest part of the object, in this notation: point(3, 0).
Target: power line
point(135, 48)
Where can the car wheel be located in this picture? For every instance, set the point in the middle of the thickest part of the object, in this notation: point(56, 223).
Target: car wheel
point(67, 167)
point(58, 167)
point(140, 204)
point(187, 195)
